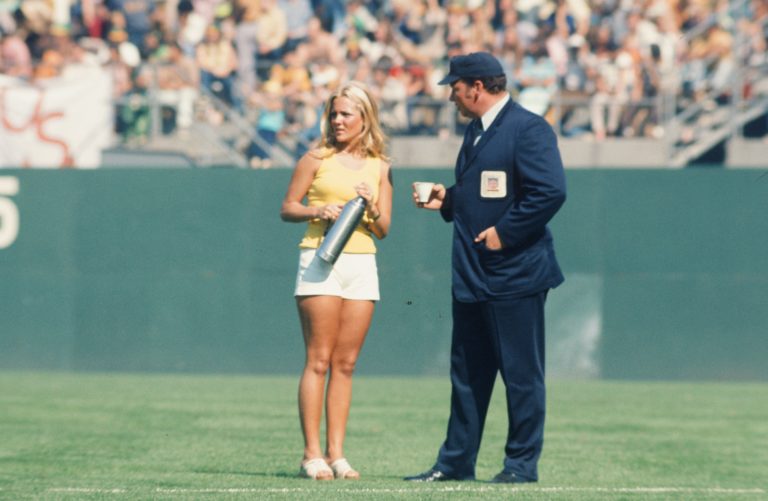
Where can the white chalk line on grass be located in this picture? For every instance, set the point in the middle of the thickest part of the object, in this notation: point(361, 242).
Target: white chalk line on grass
point(86, 490)
point(433, 488)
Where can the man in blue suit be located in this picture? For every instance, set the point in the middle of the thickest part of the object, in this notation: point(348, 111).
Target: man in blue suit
point(509, 184)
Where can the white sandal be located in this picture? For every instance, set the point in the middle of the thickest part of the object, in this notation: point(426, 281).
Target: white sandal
point(343, 470)
point(316, 469)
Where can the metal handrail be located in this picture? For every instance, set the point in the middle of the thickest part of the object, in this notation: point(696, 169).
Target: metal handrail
point(711, 20)
point(714, 135)
point(247, 130)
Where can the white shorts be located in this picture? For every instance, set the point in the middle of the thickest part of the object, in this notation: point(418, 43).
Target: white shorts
point(354, 276)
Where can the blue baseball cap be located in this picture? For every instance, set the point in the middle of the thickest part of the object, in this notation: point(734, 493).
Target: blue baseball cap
point(474, 65)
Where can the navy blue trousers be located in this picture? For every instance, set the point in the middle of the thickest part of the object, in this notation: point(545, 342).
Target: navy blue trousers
point(491, 338)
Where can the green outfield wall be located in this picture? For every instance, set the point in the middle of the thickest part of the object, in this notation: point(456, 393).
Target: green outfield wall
point(192, 271)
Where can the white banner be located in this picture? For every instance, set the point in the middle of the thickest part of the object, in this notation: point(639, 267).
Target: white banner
point(61, 122)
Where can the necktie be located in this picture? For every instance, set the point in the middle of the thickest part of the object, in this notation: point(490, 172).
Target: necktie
point(478, 132)
point(474, 134)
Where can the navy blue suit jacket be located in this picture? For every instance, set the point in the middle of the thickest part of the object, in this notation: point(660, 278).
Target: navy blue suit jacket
point(513, 179)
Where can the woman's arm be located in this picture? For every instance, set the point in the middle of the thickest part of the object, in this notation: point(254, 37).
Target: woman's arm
point(381, 212)
point(293, 209)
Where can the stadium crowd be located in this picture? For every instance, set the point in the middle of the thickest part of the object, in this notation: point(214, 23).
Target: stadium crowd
point(591, 67)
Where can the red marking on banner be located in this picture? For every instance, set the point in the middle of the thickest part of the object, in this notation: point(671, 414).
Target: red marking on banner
point(38, 120)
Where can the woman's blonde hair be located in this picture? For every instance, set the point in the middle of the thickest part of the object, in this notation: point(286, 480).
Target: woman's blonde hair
point(371, 141)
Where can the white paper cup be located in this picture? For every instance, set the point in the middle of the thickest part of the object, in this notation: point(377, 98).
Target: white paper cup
point(423, 191)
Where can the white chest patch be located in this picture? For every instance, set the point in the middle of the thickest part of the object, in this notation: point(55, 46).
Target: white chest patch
point(493, 184)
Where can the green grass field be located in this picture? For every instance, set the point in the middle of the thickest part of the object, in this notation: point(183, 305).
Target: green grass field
point(118, 436)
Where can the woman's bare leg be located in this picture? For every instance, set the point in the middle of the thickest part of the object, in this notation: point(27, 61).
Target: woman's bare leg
point(355, 320)
point(320, 319)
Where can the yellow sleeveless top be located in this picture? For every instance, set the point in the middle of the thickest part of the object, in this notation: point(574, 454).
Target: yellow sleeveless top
point(334, 184)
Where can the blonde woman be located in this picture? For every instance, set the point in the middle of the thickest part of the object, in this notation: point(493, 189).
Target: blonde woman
point(336, 302)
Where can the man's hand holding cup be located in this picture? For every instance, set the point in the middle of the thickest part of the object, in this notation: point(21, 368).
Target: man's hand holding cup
point(428, 195)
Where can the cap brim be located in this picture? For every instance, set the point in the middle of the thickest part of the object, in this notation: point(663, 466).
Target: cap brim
point(448, 79)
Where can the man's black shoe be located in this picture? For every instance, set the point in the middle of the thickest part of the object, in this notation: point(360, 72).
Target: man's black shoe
point(431, 475)
point(505, 477)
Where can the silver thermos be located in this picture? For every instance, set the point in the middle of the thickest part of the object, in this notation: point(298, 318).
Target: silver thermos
point(340, 231)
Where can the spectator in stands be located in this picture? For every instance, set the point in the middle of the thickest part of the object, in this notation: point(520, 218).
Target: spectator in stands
point(332, 15)
point(121, 76)
point(578, 15)
point(117, 32)
point(292, 72)
point(422, 23)
point(297, 16)
point(389, 89)
point(644, 118)
point(755, 51)
point(423, 109)
point(629, 91)
point(670, 42)
point(408, 19)
point(358, 67)
point(209, 9)
point(321, 44)
point(605, 105)
point(94, 17)
point(605, 108)
point(536, 78)
point(293, 77)
point(359, 20)
point(269, 123)
point(155, 46)
point(192, 26)
point(383, 46)
point(456, 24)
point(134, 112)
point(271, 36)
point(15, 56)
point(508, 47)
point(137, 15)
point(479, 34)
point(575, 87)
point(325, 75)
point(722, 77)
point(178, 81)
point(755, 54)
point(35, 18)
point(50, 65)
point(217, 60)
point(693, 71)
point(528, 20)
point(304, 124)
point(247, 14)
point(694, 14)
point(303, 107)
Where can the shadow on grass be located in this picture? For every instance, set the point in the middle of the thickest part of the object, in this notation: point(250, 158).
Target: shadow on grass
point(279, 474)
point(295, 476)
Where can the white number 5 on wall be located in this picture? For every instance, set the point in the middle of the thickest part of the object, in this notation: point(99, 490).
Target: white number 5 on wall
point(9, 212)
